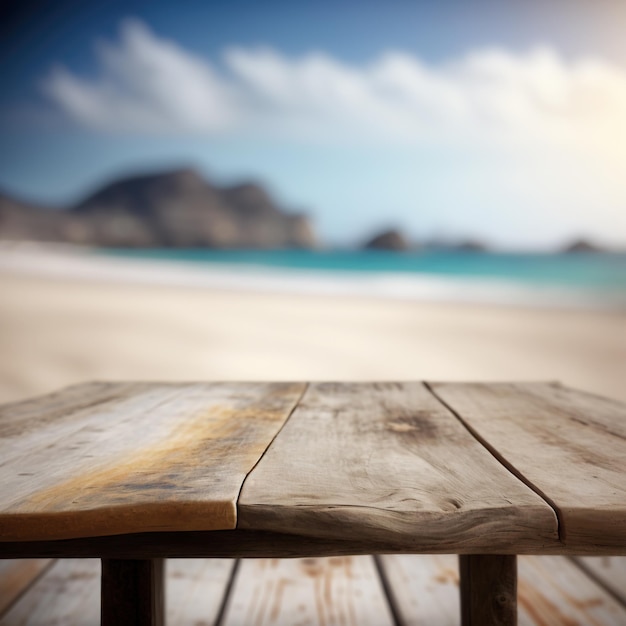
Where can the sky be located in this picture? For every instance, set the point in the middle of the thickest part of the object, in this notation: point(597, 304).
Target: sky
point(502, 121)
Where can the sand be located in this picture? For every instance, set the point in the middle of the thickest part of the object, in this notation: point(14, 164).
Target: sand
point(56, 331)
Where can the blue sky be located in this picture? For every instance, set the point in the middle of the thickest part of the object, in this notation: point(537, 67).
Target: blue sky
point(499, 120)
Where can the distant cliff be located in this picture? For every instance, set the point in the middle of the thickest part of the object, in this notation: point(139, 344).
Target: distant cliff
point(168, 209)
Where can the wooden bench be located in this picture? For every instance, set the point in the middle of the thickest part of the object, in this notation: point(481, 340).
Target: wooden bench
point(135, 472)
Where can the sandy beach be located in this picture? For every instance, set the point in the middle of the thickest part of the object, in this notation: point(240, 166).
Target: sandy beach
point(57, 330)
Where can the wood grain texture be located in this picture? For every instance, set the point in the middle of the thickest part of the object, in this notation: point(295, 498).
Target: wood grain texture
point(488, 590)
point(16, 577)
point(387, 462)
point(424, 589)
point(59, 407)
point(609, 572)
point(195, 590)
point(246, 543)
point(336, 591)
point(69, 594)
point(158, 457)
point(33, 428)
point(569, 446)
point(552, 590)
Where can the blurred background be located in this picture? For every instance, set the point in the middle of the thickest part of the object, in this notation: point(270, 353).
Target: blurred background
point(328, 190)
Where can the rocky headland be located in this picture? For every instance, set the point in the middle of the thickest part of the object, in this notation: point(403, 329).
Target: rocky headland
point(176, 208)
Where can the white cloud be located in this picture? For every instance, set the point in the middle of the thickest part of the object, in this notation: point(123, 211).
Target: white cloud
point(544, 135)
point(149, 84)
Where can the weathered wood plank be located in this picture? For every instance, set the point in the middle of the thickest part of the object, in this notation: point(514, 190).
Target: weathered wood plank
point(336, 591)
point(245, 543)
point(16, 577)
point(169, 457)
point(69, 594)
point(488, 590)
point(37, 457)
point(62, 406)
point(424, 589)
point(551, 590)
point(586, 408)
point(569, 446)
point(608, 571)
point(34, 428)
point(387, 462)
point(195, 590)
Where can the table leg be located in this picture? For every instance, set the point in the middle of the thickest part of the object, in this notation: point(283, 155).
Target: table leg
point(488, 590)
point(133, 592)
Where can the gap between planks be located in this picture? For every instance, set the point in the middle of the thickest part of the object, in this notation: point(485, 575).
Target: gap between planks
point(228, 589)
point(7, 603)
point(508, 466)
point(243, 482)
point(387, 590)
point(425, 589)
point(602, 582)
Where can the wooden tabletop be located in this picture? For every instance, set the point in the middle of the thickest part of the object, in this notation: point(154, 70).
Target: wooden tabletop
point(403, 467)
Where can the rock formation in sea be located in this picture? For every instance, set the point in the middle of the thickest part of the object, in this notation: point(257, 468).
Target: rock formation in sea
point(455, 245)
point(469, 245)
point(176, 208)
point(388, 240)
point(581, 245)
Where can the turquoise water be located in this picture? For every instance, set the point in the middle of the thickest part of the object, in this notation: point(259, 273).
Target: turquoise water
point(598, 273)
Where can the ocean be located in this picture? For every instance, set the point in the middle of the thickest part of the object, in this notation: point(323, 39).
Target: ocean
point(596, 280)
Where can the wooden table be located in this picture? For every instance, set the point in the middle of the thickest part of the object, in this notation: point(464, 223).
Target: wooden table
point(134, 473)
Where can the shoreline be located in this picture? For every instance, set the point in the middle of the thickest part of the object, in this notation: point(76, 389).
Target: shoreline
point(56, 331)
point(64, 262)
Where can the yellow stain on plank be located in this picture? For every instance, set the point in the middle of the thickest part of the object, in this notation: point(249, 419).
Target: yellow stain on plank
point(188, 480)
